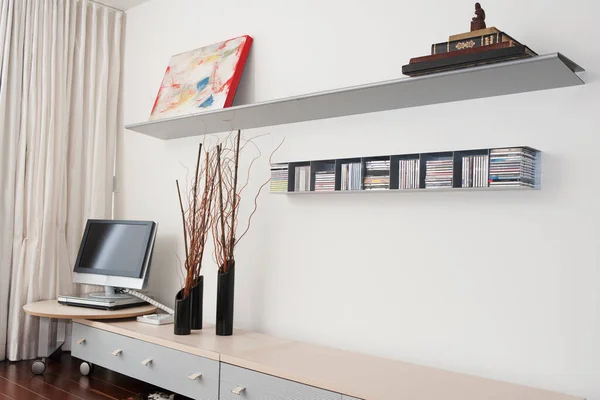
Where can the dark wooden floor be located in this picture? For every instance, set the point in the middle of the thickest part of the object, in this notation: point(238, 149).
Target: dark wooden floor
point(62, 381)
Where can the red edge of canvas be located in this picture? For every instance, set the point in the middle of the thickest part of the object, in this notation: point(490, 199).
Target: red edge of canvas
point(237, 75)
point(159, 90)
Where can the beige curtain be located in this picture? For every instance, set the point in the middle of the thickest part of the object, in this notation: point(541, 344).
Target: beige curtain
point(60, 68)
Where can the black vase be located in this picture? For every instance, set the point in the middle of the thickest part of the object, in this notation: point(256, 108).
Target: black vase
point(225, 290)
point(183, 314)
point(197, 296)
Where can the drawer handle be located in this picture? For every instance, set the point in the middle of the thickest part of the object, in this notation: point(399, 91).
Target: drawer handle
point(194, 376)
point(116, 352)
point(146, 362)
point(238, 390)
point(81, 341)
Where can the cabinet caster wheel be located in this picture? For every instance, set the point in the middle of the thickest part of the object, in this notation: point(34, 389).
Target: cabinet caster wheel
point(38, 367)
point(86, 368)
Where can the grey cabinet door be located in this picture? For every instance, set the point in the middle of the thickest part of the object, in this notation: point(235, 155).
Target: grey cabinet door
point(240, 383)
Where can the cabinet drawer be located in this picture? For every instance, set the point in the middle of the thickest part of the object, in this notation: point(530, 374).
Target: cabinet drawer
point(259, 386)
point(170, 369)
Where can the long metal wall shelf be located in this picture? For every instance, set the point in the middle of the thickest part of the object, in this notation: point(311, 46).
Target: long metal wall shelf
point(438, 190)
point(537, 73)
point(493, 169)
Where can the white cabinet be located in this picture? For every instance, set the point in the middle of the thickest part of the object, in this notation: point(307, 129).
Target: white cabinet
point(180, 372)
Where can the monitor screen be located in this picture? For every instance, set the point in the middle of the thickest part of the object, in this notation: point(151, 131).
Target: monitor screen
point(118, 248)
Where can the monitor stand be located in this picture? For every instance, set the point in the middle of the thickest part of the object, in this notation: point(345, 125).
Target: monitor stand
point(110, 295)
point(109, 300)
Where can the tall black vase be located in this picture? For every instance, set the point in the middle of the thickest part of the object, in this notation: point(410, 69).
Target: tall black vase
point(197, 296)
point(225, 290)
point(183, 314)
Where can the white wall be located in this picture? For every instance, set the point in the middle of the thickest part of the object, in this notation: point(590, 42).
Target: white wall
point(500, 284)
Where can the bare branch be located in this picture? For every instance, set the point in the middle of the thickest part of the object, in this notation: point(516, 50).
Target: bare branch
point(222, 210)
point(184, 226)
point(250, 167)
point(195, 192)
point(258, 194)
point(275, 151)
point(253, 211)
point(234, 192)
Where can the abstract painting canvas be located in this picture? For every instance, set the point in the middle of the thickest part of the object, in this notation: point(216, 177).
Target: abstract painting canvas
point(202, 79)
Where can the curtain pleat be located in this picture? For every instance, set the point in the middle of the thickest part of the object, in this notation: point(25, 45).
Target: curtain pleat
point(12, 148)
point(59, 115)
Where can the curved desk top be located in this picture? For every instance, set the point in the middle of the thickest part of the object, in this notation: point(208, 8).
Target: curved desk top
point(52, 309)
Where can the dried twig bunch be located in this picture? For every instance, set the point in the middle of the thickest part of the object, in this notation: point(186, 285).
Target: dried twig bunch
point(213, 203)
point(228, 193)
point(197, 218)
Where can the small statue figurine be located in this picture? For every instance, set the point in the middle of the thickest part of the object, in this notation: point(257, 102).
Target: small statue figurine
point(478, 21)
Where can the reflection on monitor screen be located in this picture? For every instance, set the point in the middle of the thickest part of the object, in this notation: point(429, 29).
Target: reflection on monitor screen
point(114, 249)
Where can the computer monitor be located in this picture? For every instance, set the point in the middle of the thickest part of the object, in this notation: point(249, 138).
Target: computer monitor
point(115, 254)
